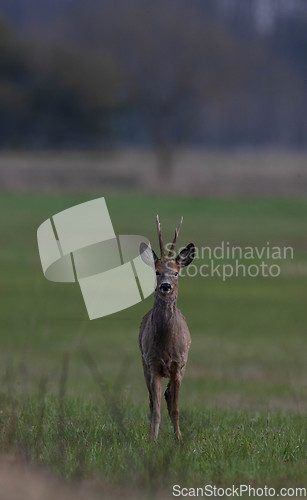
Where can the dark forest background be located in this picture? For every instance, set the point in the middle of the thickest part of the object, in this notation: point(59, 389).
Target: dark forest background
point(215, 73)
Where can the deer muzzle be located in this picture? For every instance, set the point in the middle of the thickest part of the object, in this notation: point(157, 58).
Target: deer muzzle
point(165, 287)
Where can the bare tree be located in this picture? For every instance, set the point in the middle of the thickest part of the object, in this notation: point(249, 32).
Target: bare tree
point(172, 60)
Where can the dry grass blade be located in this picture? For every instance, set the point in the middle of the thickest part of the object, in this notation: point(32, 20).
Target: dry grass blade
point(61, 416)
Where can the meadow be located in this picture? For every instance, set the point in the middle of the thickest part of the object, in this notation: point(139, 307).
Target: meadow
point(72, 394)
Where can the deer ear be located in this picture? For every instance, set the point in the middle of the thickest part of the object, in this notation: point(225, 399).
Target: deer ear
point(185, 257)
point(148, 255)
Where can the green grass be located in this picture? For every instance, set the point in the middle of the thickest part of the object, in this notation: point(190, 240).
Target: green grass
point(220, 447)
point(243, 399)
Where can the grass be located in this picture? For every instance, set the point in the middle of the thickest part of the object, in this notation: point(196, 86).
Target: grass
point(220, 447)
point(243, 398)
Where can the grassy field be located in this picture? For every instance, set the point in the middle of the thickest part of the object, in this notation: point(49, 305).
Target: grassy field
point(73, 398)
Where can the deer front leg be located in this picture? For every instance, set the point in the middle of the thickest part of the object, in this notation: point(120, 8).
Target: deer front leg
point(147, 380)
point(155, 386)
point(172, 398)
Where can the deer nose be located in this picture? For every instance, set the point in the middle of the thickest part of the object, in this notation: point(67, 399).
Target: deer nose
point(165, 287)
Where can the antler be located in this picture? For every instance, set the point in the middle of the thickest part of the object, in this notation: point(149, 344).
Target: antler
point(171, 251)
point(160, 237)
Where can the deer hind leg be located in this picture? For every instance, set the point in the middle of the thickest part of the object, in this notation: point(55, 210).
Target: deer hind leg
point(172, 397)
point(156, 387)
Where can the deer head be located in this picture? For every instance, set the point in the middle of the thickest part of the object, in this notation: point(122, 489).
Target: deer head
point(168, 267)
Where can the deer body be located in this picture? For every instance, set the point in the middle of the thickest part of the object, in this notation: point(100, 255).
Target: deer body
point(164, 337)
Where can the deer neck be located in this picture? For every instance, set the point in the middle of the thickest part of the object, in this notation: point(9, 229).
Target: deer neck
point(164, 312)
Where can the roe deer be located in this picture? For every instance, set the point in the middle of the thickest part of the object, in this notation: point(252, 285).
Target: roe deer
point(164, 337)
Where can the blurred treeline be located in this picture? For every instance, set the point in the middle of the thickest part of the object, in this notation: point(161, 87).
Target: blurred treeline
point(218, 73)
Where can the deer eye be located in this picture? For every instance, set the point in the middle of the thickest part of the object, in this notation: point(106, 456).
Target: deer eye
point(176, 274)
point(157, 273)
